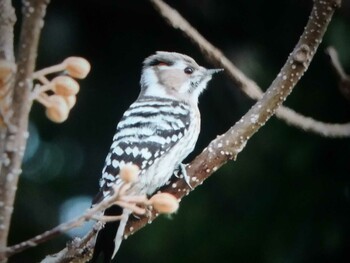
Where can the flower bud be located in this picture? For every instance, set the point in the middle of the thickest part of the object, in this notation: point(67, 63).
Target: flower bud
point(65, 86)
point(58, 109)
point(70, 100)
point(165, 203)
point(77, 67)
point(129, 173)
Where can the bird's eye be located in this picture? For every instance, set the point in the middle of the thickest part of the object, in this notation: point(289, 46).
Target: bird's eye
point(188, 70)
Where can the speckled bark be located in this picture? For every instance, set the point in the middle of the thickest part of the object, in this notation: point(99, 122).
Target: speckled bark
point(227, 146)
point(249, 87)
point(17, 127)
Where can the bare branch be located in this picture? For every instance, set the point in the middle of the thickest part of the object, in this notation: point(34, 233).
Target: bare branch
point(227, 146)
point(7, 68)
point(60, 229)
point(333, 54)
point(162, 202)
point(249, 87)
point(7, 21)
point(310, 124)
point(77, 251)
point(344, 79)
point(91, 213)
point(17, 132)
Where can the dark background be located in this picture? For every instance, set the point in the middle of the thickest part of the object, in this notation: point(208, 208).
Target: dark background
point(285, 199)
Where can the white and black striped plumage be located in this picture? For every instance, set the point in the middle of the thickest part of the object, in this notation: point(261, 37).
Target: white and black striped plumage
point(156, 133)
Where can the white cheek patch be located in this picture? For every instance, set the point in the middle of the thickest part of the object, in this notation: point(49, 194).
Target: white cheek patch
point(173, 78)
point(150, 83)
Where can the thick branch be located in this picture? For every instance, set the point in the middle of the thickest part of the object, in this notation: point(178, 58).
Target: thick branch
point(7, 64)
point(7, 21)
point(17, 133)
point(229, 145)
point(215, 56)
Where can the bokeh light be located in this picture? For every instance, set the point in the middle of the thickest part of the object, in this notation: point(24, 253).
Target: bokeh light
point(73, 208)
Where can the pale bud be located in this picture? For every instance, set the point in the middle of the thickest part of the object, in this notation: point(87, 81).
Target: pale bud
point(70, 100)
point(129, 173)
point(165, 203)
point(77, 67)
point(65, 86)
point(58, 110)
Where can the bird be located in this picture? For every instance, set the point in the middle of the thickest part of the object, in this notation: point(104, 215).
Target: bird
point(156, 133)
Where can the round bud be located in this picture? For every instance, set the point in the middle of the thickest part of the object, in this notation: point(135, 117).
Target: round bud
point(165, 203)
point(77, 67)
point(70, 100)
point(58, 110)
point(65, 86)
point(129, 173)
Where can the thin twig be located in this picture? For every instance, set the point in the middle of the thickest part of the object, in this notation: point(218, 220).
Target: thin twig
point(91, 213)
point(249, 87)
point(62, 228)
point(77, 251)
point(120, 197)
point(333, 54)
point(344, 79)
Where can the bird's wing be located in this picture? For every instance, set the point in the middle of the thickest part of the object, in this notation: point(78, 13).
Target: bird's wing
point(148, 129)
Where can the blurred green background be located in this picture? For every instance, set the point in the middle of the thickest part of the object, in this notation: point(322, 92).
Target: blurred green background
point(286, 198)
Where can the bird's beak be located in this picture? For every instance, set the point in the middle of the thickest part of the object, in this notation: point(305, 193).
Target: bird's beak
point(213, 71)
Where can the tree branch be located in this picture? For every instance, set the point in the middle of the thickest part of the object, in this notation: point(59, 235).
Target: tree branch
point(91, 213)
point(227, 146)
point(7, 65)
point(7, 21)
point(344, 79)
point(17, 127)
point(249, 87)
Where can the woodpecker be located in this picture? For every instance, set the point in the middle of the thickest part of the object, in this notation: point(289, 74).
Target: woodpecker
point(156, 134)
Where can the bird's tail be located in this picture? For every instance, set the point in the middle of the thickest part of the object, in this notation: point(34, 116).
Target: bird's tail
point(110, 237)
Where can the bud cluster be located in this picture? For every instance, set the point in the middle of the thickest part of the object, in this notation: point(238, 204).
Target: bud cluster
point(58, 95)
